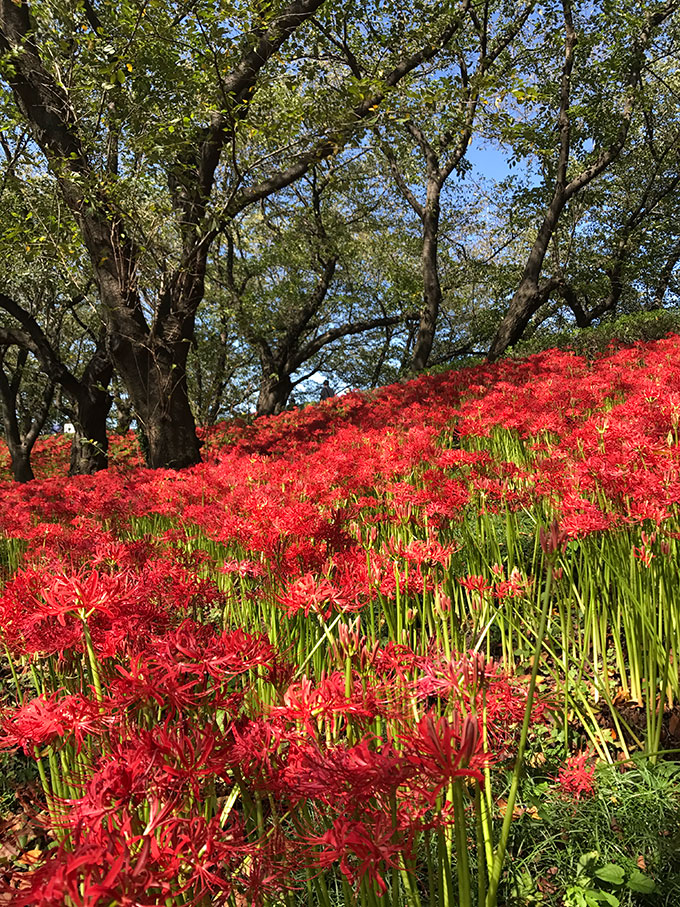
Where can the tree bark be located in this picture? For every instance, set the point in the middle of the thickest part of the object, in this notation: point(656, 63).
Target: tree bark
point(274, 393)
point(20, 443)
point(20, 456)
point(432, 292)
point(665, 276)
point(89, 394)
point(90, 446)
point(438, 170)
point(156, 381)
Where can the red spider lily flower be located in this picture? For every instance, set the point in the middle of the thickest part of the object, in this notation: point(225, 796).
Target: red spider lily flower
point(44, 720)
point(243, 568)
point(444, 750)
point(514, 586)
point(363, 848)
point(189, 859)
point(82, 593)
point(311, 593)
point(254, 747)
point(196, 649)
point(576, 778)
point(347, 775)
point(643, 554)
point(475, 584)
point(328, 701)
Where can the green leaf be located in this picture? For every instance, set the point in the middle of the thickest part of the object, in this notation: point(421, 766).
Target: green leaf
point(611, 873)
point(587, 858)
point(595, 898)
point(638, 881)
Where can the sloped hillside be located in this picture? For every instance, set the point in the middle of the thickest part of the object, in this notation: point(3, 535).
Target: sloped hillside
point(315, 668)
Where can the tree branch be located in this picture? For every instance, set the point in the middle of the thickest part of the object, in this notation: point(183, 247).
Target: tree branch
point(345, 330)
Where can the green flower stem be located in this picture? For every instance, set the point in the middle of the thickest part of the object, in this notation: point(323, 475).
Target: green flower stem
point(92, 658)
point(462, 859)
point(499, 857)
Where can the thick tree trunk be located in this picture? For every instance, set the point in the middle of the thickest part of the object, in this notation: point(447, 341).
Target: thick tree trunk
point(158, 390)
point(274, 393)
point(22, 471)
point(432, 293)
point(151, 363)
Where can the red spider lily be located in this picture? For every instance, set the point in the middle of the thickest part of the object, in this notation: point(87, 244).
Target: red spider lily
point(576, 778)
point(362, 847)
point(443, 750)
point(186, 859)
point(327, 702)
point(181, 720)
point(81, 593)
point(243, 568)
point(253, 748)
point(476, 584)
point(196, 649)
point(345, 775)
point(310, 593)
point(45, 720)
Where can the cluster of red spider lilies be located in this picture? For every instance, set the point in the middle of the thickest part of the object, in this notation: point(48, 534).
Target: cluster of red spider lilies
point(298, 673)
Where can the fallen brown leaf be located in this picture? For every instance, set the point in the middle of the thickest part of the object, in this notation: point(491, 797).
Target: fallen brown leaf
point(30, 857)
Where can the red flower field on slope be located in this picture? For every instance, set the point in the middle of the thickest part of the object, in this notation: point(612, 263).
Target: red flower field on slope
point(209, 665)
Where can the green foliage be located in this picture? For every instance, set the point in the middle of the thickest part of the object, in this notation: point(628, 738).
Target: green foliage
point(619, 847)
point(594, 341)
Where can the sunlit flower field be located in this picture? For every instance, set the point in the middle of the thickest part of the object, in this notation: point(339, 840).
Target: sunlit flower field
point(365, 654)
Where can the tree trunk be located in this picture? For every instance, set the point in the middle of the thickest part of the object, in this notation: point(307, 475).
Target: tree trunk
point(20, 455)
point(530, 294)
point(20, 445)
point(125, 416)
point(274, 393)
point(665, 276)
point(432, 293)
point(524, 303)
point(158, 389)
point(89, 450)
point(151, 363)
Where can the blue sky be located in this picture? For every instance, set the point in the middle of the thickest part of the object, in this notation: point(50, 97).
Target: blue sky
point(488, 161)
